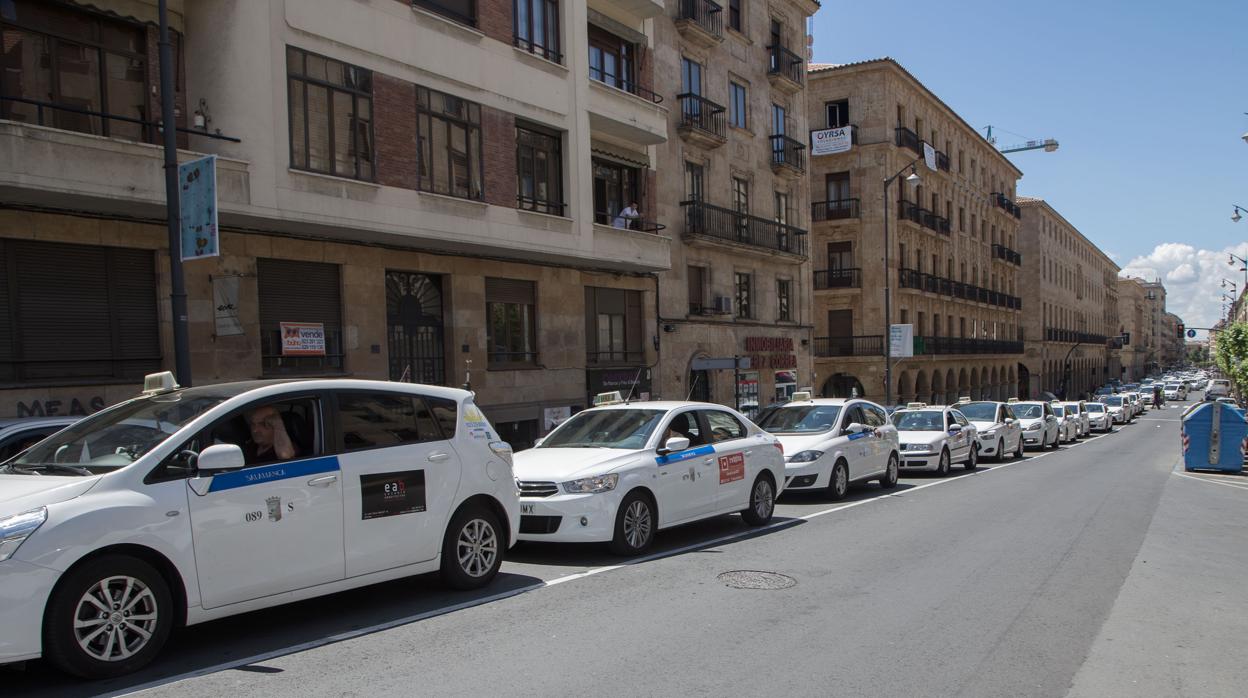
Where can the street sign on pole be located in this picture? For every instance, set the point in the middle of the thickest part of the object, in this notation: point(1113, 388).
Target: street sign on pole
point(1191, 334)
point(901, 341)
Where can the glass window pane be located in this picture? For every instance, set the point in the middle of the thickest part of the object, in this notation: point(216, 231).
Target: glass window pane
point(127, 94)
point(298, 126)
point(344, 161)
point(25, 71)
point(78, 72)
point(318, 128)
point(317, 68)
point(441, 158)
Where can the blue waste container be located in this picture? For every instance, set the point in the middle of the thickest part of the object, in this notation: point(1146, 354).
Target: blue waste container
point(1215, 436)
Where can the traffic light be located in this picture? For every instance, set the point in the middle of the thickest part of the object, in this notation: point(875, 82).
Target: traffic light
point(1182, 331)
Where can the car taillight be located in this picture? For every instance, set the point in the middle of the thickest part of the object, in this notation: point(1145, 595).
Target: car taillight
point(780, 446)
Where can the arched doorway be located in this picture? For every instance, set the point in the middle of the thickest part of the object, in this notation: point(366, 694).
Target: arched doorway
point(1024, 383)
point(964, 384)
point(842, 385)
point(905, 390)
point(938, 388)
point(951, 387)
point(920, 387)
point(414, 327)
point(976, 392)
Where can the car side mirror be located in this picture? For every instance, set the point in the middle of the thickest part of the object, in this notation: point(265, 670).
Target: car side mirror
point(1010, 420)
point(674, 445)
point(219, 458)
point(955, 428)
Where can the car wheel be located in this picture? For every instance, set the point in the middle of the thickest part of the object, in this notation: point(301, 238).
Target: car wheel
point(635, 523)
point(972, 459)
point(109, 616)
point(1000, 450)
point(889, 480)
point(838, 483)
point(942, 469)
point(1018, 450)
point(762, 502)
point(472, 548)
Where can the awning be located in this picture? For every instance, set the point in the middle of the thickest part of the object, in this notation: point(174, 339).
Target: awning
point(144, 11)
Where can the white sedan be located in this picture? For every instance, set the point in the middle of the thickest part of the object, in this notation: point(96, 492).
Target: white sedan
point(1068, 424)
point(1118, 408)
point(935, 437)
point(1000, 434)
point(619, 473)
point(188, 505)
point(1099, 418)
point(1040, 426)
point(831, 443)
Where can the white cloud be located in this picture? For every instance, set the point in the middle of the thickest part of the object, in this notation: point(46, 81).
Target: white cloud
point(1193, 278)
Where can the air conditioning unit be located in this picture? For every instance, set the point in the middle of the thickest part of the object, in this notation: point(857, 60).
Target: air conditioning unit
point(723, 305)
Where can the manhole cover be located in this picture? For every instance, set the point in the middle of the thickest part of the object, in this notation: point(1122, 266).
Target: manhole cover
point(756, 579)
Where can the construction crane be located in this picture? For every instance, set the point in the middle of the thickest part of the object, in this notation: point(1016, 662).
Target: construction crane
point(1048, 145)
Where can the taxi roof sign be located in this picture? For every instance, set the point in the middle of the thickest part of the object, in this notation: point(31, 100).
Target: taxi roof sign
point(157, 383)
point(1012, 400)
point(965, 399)
point(612, 398)
point(915, 405)
point(801, 396)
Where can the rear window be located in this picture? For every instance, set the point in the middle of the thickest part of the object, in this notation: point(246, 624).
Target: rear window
point(445, 413)
point(377, 420)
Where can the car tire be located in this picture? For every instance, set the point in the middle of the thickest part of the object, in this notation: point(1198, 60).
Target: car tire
point(80, 636)
point(472, 548)
point(762, 505)
point(972, 459)
point(1000, 450)
point(942, 468)
point(838, 481)
point(1018, 450)
point(635, 524)
point(889, 479)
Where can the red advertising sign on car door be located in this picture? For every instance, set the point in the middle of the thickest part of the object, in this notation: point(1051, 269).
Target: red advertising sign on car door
point(731, 468)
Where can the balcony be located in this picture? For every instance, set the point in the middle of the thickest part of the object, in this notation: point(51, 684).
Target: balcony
point(624, 109)
point(784, 69)
point(932, 346)
point(788, 156)
point(701, 22)
point(931, 221)
point(1007, 255)
point(643, 9)
point(717, 225)
point(1005, 204)
point(931, 283)
point(828, 279)
point(905, 138)
point(909, 211)
point(1053, 334)
point(838, 210)
point(942, 161)
point(701, 121)
point(862, 345)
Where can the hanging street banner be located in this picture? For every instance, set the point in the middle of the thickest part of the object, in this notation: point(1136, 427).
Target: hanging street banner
point(831, 141)
point(197, 196)
point(303, 338)
point(929, 155)
point(901, 341)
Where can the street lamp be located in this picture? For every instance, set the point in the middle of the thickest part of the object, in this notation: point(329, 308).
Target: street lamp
point(1235, 217)
point(1232, 258)
point(912, 178)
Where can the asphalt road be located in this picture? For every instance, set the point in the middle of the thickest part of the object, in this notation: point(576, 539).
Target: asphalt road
point(1066, 571)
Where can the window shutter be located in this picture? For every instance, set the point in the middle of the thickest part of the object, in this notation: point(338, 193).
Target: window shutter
point(510, 291)
point(293, 291)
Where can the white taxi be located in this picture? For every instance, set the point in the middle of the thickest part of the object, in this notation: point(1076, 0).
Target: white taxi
point(1099, 418)
point(1079, 409)
point(1068, 425)
point(186, 505)
point(935, 437)
point(999, 431)
point(1118, 408)
point(1040, 426)
point(620, 472)
point(832, 442)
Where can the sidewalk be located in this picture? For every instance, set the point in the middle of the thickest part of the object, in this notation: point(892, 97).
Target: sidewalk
point(1181, 618)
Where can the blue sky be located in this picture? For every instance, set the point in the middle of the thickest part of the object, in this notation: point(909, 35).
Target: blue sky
point(1146, 98)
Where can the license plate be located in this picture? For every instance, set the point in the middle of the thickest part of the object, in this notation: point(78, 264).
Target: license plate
point(526, 508)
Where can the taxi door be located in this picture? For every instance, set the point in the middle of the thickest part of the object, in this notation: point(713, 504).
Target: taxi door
point(400, 476)
point(686, 479)
point(959, 443)
point(271, 527)
point(732, 475)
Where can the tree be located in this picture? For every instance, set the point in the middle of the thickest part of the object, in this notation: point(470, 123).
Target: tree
point(1198, 354)
point(1231, 355)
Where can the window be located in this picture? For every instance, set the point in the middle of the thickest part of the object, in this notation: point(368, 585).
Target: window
point(837, 184)
point(462, 11)
point(306, 293)
point(106, 295)
point(741, 195)
point(738, 109)
point(743, 284)
point(696, 277)
point(779, 117)
point(694, 181)
point(537, 27)
point(782, 207)
point(612, 59)
point(784, 289)
point(734, 14)
point(448, 139)
point(539, 170)
point(64, 59)
point(837, 113)
point(378, 420)
point(331, 116)
point(615, 186)
point(511, 334)
point(613, 330)
point(690, 76)
point(723, 426)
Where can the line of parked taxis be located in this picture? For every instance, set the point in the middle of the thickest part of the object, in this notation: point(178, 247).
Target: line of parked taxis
point(185, 505)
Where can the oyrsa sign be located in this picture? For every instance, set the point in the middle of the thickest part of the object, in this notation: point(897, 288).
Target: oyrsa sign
point(771, 352)
point(303, 339)
point(831, 141)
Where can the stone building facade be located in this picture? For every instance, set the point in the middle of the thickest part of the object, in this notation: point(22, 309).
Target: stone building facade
point(733, 195)
point(1140, 351)
point(437, 186)
point(1072, 324)
point(953, 259)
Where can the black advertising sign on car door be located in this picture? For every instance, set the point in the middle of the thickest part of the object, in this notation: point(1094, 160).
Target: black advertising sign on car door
point(392, 494)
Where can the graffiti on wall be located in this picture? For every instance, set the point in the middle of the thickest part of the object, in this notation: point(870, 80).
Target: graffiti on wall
point(53, 408)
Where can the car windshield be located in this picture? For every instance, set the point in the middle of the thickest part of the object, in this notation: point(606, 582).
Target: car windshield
point(1095, 407)
point(1172, 386)
point(117, 436)
point(800, 419)
point(1059, 410)
point(979, 411)
point(629, 428)
point(919, 421)
point(1072, 408)
point(1028, 411)
point(1114, 400)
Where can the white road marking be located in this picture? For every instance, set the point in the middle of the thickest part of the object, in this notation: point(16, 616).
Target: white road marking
point(1213, 482)
point(433, 613)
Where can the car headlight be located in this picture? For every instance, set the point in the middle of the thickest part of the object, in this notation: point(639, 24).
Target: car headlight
point(17, 528)
point(988, 434)
point(806, 457)
point(914, 447)
point(1035, 426)
point(591, 485)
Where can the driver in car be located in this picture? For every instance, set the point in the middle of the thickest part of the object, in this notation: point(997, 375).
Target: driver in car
point(269, 440)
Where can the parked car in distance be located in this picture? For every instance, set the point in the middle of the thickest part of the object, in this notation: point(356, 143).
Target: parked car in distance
point(1218, 387)
point(1099, 418)
point(1041, 427)
point(1069, 425)
point(999, 430)
point(16, 435)
point(1079, 409)
point(933, 438)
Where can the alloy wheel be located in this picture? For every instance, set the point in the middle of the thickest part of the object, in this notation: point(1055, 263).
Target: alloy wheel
point(763, 499)
point(637, 524)
point(115, 618)
point(477, 547)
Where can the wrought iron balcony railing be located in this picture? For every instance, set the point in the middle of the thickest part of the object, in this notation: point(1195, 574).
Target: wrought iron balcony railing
point(703, 219)
point(839, 209)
